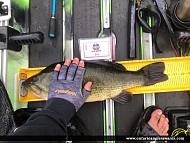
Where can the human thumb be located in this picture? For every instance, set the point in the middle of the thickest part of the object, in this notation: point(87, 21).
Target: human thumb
point(87, 89)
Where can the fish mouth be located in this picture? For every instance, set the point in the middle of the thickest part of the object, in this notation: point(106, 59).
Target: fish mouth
point(23, 90)
point(31, 87)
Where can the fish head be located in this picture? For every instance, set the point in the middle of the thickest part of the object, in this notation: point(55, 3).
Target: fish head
point(31, 84)
point(38, 85)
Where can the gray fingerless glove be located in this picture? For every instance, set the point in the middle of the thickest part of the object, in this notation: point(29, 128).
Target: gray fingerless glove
point(67, 84)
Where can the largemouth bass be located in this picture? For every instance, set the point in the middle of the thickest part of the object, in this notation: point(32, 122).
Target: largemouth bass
point(110, 80)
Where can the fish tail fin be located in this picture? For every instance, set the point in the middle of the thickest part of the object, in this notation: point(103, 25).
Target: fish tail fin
point(154, 73)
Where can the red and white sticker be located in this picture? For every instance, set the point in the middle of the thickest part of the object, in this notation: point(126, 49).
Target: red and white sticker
point(97, 48)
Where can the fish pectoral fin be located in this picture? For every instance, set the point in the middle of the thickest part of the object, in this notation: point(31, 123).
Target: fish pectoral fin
point(123, 97)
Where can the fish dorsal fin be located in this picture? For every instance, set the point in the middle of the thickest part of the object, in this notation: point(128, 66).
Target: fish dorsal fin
point(99, 62)
point(48, 69)
point(119, 66)
point(123, 97)
point(107, 64)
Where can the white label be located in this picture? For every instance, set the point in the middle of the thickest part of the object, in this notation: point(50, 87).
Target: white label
point(96, 48)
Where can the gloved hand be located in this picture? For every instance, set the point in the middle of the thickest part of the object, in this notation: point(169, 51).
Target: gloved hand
point(67, 83)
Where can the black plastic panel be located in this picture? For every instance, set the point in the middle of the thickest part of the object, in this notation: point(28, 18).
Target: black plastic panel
point(51, 50)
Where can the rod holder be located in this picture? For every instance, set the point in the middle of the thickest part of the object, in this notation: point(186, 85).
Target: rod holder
point(12, 39)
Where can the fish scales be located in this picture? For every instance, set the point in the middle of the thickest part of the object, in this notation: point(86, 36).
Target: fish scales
point(109, 82)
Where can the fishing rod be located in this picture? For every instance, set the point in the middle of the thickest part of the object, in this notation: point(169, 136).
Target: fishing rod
point(105, 16)
point(52, 25)
point(149, 98)
point(4, 21)
point(64, 13)
point(68, 29)
point(106, 24)
point(132, 29)
point(106, 31)
point(146, 46)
